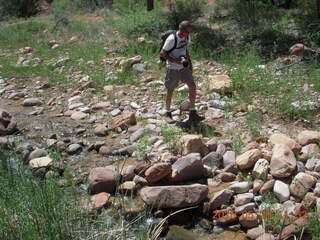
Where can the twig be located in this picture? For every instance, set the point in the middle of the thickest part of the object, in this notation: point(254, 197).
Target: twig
point(155, 233)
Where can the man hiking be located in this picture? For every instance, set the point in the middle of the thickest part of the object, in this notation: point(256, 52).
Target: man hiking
point(179, 68)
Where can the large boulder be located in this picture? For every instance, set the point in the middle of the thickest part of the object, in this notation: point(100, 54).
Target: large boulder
point(186, 168)
point(8, 124)
point(248, 159)
point(307, 137)
point(301, 184)
point(279, 138)
point(157, 172)
point(174, 196)
point(193, 144)
point(283, 162)
point(102, 179)
point(220, 83)
point(40, 162)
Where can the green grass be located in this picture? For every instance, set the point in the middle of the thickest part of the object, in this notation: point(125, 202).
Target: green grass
point(33, 208)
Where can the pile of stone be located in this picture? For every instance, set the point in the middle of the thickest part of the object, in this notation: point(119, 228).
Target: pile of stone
point(284, 167)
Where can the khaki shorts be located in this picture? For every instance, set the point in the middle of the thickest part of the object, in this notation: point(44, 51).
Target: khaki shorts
point(173, 77)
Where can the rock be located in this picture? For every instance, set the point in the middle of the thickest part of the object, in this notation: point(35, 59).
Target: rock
point(250, 146)
point(174, 196)
point(78, 115)
point(267, 187)
point(74, 148)
point(249, 220)
point(220, 83)
point(309, 200)
point(102, 179)
point(283, 162)
point(301, 184)
point(245, 208)
point(104, 150)
point(300, 50)
point(248, 159)
point(186, 168)
point(221, 149)
point(131, 61)
point(288, 231)
point(281, 191)
point(220, 198)
point(257, 185)
point(279, 138)
point(307, 137)
point(192, 144)
point(123, 120)
point(37, 153)
point(213, 159)
point(137, 134)
point(243, 198)
point(29, 102)
point(40, 162)
point(240, 187)
point(157, 172)
point(97, 201)
point(139, 67)
point(311, 163)
point(229, 218)
point(310, 150)
point(213, 113)
point(8, 124)
point(101, 106)
point(229, 158)
point(226, 177)
point(212, 145)
point(266, 236)
point(127, 173)
point(127, 187)
point(260, 169)
point(256, 232)
point(101, 130)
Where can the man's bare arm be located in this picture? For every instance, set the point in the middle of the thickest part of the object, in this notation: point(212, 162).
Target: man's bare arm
point(189, 60)
point(165, 55)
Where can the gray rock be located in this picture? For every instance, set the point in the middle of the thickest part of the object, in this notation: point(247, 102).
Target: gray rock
point(139, 67)
point(213, 159)
point(186, 168)
point(311, 163)
point(260, 169)
point(281, 190)
point(37, 153)
point(240, 187)
point(243, 198)
point(115, 112)
point(229, 158)
point(247, 207)
point(31, 102)
point(221, 149)
point(220, 198)
point(74, 148)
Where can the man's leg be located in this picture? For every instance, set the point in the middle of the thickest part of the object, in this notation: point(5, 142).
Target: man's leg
point(188, 79)
point(171, 83)
point(169, 98)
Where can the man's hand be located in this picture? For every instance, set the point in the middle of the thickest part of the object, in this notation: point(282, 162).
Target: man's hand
point(165, 55)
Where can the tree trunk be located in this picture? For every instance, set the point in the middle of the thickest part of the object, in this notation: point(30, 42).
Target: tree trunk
point(150, 5)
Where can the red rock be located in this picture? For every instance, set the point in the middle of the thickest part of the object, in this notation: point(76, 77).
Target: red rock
point(226, 177)
point(179, 196)
point(267, 187)
point(102, 180)
point(157, 172)
point(101, 130)
point(249, 220)
point(123, 120)
point(8, 124)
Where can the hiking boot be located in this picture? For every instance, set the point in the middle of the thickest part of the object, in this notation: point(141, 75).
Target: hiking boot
point(194, 117)
point(168, 118)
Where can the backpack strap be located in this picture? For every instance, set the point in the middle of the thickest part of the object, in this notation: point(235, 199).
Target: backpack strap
point(175, 43)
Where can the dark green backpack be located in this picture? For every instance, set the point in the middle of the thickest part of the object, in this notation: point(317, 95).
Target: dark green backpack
point(164, 37)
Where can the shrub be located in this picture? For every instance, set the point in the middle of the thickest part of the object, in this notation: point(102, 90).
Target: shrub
point(19, 8)
point(186, 10)
point(142, 23)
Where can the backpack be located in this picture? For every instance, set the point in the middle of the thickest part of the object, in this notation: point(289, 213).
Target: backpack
point(164, 37)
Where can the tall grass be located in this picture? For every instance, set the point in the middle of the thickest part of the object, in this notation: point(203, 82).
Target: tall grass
point(33, 208)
